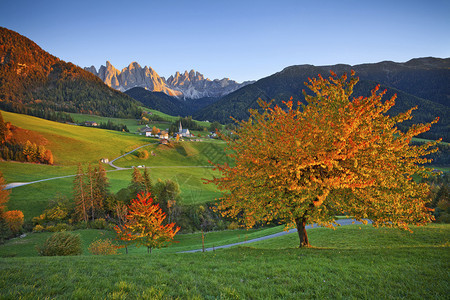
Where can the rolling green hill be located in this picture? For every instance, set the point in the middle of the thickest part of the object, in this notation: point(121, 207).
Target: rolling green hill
point(187, 164)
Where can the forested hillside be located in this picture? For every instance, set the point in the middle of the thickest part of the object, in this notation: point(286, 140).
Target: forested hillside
point(428, 77)
point(35, 82)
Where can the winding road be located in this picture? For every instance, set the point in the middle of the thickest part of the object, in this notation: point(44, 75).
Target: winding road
point(111, 163)
point(342, 222)
point(116, 168)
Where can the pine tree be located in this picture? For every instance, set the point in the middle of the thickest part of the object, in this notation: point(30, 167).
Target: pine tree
point(137, 184)
point(79, 195)
point(90, 193)
point(101, 188)
point(147, 181)
point(28, 151)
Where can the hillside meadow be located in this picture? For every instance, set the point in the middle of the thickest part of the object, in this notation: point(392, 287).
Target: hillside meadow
point(187, 163)
point(350, 262)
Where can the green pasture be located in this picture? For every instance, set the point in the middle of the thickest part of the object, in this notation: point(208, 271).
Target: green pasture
point(72, 144)
point(132, 124)
point(32, 199)
point(26, 172)
point(21, 247)
point(185, 153)
point(348, 263)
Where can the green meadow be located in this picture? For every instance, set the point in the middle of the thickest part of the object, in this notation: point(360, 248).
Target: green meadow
point(72, 144)
point(350, 262)
point(187, 163)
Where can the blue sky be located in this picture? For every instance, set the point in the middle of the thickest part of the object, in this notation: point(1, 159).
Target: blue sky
point(242, 40)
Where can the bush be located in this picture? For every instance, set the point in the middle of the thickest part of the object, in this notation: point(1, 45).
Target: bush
point(142, 154)
point(59, 227)
point(103, 247)
point(99, 224)
point(38, 228)
point(14, 219)
point(233, 226)
point(61, 244)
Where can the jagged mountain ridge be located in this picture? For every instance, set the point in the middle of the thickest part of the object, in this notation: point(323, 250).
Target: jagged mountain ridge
point(191, 85)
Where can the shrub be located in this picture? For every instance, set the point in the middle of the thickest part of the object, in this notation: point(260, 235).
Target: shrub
point(61, 244)
point(14, 219)
point(59, 227)
point(233, 226)
point(142, 154)
point(38, 228)
point(103, 247)
point(99, 224)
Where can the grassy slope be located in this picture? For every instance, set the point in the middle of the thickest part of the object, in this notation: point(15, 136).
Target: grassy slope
point(347, 263)
point(185, 154)
point(132, 124)
point(26, 247)
point(73, 144)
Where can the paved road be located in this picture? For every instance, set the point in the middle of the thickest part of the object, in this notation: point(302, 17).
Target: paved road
point(342, 222)
point(111, 163)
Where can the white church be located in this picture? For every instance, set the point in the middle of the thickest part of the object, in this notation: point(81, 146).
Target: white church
point(184, 132)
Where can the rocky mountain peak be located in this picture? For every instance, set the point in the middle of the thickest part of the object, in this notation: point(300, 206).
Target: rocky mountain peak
point(190, 84)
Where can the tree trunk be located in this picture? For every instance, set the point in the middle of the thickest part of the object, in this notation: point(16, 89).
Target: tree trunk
point(149, 250)
point(126, 249)
point(301, 230)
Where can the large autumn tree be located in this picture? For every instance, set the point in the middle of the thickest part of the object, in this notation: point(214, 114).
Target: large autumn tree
point(303, 164)
point(144, 224)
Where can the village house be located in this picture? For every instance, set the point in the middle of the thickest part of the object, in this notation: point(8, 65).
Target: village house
point(91, 123)
point(163, 135)
point(146, 130)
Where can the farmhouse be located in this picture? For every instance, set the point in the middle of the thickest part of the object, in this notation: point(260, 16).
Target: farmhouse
point(164, 135)
point(91, 123)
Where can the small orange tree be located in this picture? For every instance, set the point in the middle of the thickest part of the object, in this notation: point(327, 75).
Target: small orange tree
point(14, 219)
point(336, 154)
point(144, 227)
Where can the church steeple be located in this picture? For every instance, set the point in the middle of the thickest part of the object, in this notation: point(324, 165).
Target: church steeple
point(181, 128)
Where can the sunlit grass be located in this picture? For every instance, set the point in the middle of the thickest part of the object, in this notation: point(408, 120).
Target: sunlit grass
point(391, 266)
point(72, 144)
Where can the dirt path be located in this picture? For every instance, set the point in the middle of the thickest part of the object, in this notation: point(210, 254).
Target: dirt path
point(342, 222)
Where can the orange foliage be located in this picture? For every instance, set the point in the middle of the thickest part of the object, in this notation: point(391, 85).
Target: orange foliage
point(336, 154)
point(14, 219)
point(143, 225)
point(4, 195)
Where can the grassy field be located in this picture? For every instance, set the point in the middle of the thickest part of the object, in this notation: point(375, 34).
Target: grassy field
point(33, 199)
point(76, 144)
point(132, 124)
point(73, 144)
point(184, 154)
point(26, 247)
point(364, 263)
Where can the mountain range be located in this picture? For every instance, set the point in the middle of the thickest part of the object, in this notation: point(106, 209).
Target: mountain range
point(187, 85)
point(35, 82)
point(422, 82)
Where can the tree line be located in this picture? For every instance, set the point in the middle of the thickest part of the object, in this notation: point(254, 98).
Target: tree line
point(16, 151)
